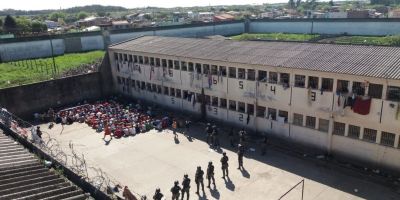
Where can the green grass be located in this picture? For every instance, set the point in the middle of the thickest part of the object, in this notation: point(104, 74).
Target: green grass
point(275, 36)
point(30, 71)
point(386, 41)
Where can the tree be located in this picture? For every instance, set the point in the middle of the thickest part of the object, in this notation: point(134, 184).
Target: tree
point(54, 16)
point(82, 15)
point(101, 13)
point(38, 27)
point(291, 4)
point(10, 25)
point(24, 25)
point(331, 3)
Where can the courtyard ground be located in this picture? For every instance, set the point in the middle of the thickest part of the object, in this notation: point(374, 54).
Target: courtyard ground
point(154, 159)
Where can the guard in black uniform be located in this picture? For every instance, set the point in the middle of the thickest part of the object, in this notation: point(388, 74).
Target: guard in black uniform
point(175, 191)
point(185, 186)
point(158, 195)
point(210, 174)
point(240, 153)
point(208, 133)
point(199, 179)
point(224, 165)
point(215, 138)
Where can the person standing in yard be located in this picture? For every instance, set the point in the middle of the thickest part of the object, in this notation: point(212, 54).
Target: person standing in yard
point(174, 127)
point(210, 174)
point(185, 186)
point(240, 156)
point(224, 165)
point(175, 191)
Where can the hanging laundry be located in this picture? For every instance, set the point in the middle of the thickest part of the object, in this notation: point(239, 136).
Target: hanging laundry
point(309, 98)
point(219, 74)
point(248, 118)
point(193, 100)
point(362, 106)
point(398, 111)
point(209, 81)
point(151, 71)
point(280, 119)
point(349, 102)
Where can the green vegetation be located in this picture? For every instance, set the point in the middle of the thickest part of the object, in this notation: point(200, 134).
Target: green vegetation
point(30, 71)
point(386, 41)
point(275, 36)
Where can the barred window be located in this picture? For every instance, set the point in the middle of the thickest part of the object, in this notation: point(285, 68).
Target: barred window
point(158, 62)
point(251, 74)
point(299, 81)
point(207, 99)
point(133, 83)
point(310, 122)
point(261, 111)
point(146, 60)
point(214, 69)
point(198, 68)
point(159, 91)
point(172, 92)
point(206, 68)
point(214, 101)
point(135, 59)
point(339, 128)
point(199, 97)
point(250, 109)
point(138, 84)
point(143, 85)
point(178, 93)
point(369, 135)
point(283, 114)
point(262, 76)
point(119, 80)
point(241, 107)
point(148, 87)
point(297, 119)
point(176, 65)
point(323, 125)
point(185, 94)
point(358, 88)
point(152, 61)
point(166, 92)
point(241, 73)
point(222, 70)
point(184, 66)
point(375, 90)
point(327, 84)
point(190, 67)
point(313, 82)
point(164, 63)
point(272, 113)
point(387, 139)
point(140, 59)
point(285, 79)
point(170, 64)
point(222, 103)
point(153, 87)
point(342, 86)
point(232, 72)
point(354, 132)
point(393, 93)
point(273, 77)
point(232, 105)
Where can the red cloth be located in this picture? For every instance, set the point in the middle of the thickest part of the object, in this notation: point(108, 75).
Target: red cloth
point(107, 131)
point(362, 106)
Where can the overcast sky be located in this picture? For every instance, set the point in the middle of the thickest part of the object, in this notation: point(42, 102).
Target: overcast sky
point(56, 4)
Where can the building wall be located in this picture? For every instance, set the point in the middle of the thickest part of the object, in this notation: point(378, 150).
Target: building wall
point(25, 100)
point(322, 105)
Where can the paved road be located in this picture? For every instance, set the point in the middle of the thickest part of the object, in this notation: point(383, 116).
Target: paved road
point(155, 159)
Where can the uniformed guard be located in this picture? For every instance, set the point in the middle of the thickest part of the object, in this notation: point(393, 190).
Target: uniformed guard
point(158, 195)
point(215, 138)
point(240, 153)
point(210, 174)
point(199, 179)
point(185, 186)
point(208, 132)
point(224, 165)
point(175, 191)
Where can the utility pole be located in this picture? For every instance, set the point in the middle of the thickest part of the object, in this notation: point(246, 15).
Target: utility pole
point(52, 55)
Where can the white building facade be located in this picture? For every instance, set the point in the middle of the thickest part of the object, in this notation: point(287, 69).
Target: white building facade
point(338, 98)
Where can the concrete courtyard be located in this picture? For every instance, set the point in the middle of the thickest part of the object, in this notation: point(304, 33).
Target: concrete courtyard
point(154, 159)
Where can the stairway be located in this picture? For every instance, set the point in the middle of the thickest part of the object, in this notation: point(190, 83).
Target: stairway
point(22, 176)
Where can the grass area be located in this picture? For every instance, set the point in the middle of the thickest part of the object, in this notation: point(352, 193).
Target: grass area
point(275, 36)
point(386, 41)
point(35, 70)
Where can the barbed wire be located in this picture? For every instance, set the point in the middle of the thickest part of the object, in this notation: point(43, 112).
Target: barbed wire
point(70, 158)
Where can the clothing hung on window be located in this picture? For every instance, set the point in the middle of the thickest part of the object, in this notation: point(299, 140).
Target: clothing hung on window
point(362, 106)
point(398, 111)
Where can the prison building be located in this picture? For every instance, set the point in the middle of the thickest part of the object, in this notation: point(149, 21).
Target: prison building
point(340, 98)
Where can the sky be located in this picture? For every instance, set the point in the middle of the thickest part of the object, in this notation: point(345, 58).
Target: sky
point(57, 4)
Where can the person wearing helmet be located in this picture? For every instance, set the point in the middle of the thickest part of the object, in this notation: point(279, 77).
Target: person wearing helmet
point(210, 174)
point(224, 165)
point(175, 191)
point(158, 195)
point(199, 179)
point(185, 186)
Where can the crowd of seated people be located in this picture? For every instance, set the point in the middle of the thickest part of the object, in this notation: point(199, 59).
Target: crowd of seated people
point(121, 120)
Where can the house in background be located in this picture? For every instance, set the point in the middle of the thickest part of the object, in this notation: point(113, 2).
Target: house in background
point(223, 18)
point(93, 21)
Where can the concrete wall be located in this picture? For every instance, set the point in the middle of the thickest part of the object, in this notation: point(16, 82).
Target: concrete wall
point(27, 99)
point(16, 49)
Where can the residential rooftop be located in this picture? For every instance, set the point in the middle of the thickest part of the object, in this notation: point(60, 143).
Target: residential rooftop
point(372, 61)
